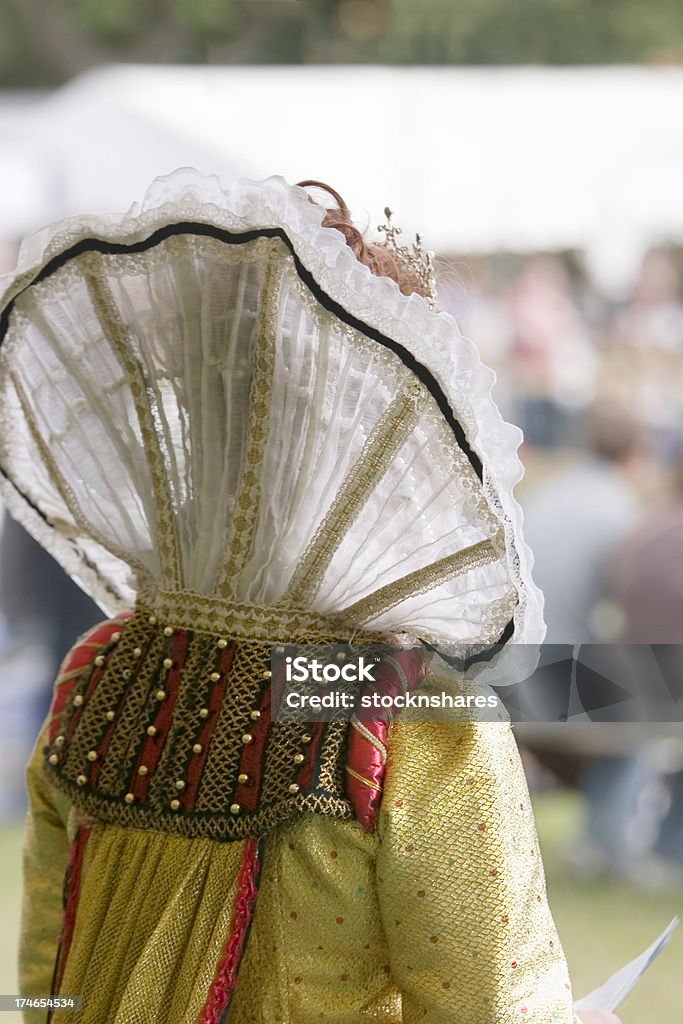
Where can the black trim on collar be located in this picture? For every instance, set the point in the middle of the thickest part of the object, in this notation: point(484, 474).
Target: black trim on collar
point(424, 375)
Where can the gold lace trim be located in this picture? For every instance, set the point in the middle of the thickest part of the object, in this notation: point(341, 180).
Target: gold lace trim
point(141, 391)
point(220, 616)
point(386, 438)
point(419, 582)
point(245, 519)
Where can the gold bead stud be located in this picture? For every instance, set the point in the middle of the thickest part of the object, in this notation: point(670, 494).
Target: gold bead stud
point(110, 716)
point(222, 643)
point(214, 677)
point(152, 620)
point(53, 759)
point(247, 738)
point(168, 630)
point(143, 769)
point(59, 741)
point(279, 650)
point(137, 651)
point(267, 674)
point(180, 785)
point(306, 738)
point(78, 700)
point(235, 808)
point(92, 755)
point(151, 730)
point(197, 748)
point(115, 637)
point(168, 662)
point(299, 759)
point(81, 780)
point(126, 673)
point(129, 798)
point(255, 715)
point(203, 712)
point(293, 789)
point(100, 660)
point(242, 778)
point(175, 805)
point(160, 695)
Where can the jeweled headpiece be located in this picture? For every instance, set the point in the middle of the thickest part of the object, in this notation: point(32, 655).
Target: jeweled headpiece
point(417, 258)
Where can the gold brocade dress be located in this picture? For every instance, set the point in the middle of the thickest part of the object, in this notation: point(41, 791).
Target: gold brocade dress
point(439, 915)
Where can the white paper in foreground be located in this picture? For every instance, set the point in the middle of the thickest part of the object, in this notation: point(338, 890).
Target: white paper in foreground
point(615, 989)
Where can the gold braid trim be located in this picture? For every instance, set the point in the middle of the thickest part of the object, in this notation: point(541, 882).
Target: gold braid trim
point(143, 396)
point(366, 782)
point(386, 438)
point(220, 616)
point(419, 582)
point(245, 519)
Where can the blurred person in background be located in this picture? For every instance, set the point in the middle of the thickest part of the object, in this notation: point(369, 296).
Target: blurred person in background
point(646, 351)
point(647, 587)
point(552, 356)
point(575, 522)
point(653, 319)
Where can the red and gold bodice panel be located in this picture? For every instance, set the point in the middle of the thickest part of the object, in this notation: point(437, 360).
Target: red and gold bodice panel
point(171, 729)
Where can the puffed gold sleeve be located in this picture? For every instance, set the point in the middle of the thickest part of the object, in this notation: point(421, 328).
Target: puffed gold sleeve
point(46, 852)
point(461, 884)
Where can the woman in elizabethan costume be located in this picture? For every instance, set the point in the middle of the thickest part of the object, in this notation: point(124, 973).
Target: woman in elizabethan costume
point(215, 415)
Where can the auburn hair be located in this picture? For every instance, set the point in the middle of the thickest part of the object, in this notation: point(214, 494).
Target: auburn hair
point(375, 255)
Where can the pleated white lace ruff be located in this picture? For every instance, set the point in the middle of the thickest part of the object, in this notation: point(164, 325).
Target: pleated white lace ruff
point(250, 416)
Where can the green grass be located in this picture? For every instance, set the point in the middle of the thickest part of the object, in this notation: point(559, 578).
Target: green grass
point(11, 838)
point(605, 924)
point(602, 924)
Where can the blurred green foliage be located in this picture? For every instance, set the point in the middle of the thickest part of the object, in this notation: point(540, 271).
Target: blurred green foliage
point(45, 42)
point(216, 20)
point(114, 21)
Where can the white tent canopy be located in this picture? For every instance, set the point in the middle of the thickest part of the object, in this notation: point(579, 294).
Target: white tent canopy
point(475, 159)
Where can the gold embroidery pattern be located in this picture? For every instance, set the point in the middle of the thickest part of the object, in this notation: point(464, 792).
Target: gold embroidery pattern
point(225, 751)
point(419, 582)
point(385, 440)
point(128, 696)
point(177, 750)
point(244, 521)
point(331, 775)
point(96, 751)
point(238, 619)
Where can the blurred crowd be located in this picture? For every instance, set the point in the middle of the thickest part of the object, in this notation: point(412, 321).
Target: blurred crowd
point(596, 385)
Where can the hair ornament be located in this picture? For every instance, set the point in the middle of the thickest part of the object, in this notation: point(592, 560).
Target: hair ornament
point(417, 258)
